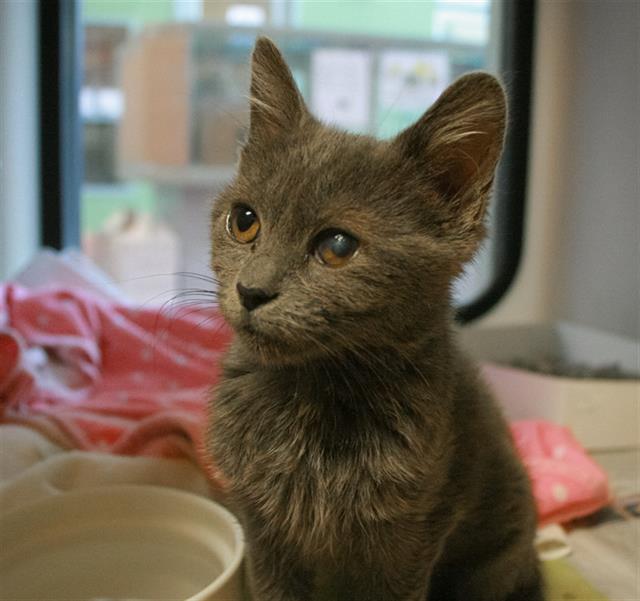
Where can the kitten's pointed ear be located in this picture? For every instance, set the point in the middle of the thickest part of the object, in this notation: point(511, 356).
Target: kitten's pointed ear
point(458, 142)
point(277, 106)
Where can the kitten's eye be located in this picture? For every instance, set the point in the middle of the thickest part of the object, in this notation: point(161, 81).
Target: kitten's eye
point(243, 224)
point(335, 248)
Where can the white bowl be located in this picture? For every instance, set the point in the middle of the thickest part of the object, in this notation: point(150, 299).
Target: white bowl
point(124, 542)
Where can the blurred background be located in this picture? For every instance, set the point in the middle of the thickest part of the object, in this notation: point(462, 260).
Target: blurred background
point(121, 121)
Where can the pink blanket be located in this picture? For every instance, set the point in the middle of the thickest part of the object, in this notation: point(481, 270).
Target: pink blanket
point(93, 375)
point(567, 483)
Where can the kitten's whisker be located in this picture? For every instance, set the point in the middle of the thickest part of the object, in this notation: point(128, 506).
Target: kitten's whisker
point(187, 294)
point(160, 294)
point(211, 279)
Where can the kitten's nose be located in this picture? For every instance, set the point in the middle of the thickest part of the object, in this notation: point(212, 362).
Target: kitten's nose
point(253, 297)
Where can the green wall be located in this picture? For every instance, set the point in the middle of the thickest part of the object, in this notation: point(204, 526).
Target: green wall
point(143, 11)
point(410, 19)
point(99, 202)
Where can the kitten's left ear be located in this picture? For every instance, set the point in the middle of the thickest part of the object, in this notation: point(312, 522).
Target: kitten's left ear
point(277, 106)
point(458, 142)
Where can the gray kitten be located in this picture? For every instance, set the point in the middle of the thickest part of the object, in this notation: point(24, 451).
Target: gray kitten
point(364, 457)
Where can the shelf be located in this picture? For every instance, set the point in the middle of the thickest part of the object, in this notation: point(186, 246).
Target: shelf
point(208, 177)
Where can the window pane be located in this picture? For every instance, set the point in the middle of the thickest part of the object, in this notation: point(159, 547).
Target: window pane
point(164, 107)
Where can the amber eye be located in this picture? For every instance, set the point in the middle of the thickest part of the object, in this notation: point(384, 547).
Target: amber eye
point(335, 248)
point(243, 224)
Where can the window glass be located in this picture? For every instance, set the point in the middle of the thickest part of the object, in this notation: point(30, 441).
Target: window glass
point(164, 107)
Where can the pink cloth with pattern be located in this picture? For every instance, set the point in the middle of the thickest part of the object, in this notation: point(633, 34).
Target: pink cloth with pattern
point(93, 375)
point(567, 483)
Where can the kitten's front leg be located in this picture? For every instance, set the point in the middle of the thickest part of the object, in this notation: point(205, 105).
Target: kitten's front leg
point(397, 564)
point(275, 575)
point(388, 581)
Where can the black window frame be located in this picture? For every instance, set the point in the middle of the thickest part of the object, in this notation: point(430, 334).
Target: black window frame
point(516, 70)
point(61, 159)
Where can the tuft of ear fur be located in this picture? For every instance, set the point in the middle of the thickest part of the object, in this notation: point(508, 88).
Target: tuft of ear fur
point(277, 106)
point(457, 144)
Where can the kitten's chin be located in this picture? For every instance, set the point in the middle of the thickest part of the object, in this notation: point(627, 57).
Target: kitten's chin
point(271, 351)
point(268, 351)
point(266, 345)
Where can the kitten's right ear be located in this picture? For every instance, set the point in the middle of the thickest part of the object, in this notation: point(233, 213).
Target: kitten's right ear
point(277, 106)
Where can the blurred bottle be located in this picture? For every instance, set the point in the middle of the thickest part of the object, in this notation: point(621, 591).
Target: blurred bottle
point(141, 253)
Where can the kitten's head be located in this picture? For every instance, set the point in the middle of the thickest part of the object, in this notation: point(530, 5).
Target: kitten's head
point(328, 241)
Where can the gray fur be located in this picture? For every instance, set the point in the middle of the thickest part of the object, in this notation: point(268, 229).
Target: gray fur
point(364, 456)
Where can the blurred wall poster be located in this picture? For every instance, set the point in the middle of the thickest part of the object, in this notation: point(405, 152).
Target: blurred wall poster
point(341, 87)
point(409, 82)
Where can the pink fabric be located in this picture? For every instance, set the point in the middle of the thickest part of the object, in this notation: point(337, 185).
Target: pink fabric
point(93, 375)
point(567, 483)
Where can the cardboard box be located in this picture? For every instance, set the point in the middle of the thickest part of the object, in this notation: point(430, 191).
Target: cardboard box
point(604, 414)
point(156, 123)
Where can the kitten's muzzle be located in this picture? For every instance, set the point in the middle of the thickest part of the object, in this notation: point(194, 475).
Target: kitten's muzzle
point(252, 298)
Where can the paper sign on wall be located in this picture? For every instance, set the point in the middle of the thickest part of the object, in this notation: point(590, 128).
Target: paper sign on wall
point(409, 82)
point(341, 87)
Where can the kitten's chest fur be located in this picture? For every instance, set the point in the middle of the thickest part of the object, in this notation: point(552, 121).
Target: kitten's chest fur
point(318, 454)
